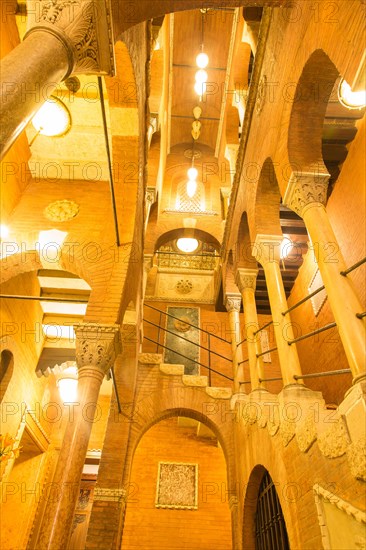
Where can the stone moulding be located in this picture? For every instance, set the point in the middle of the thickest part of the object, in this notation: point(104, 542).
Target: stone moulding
point(109, 495)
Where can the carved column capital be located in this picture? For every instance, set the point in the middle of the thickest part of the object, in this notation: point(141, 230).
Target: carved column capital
point(232, 302)
point(148, 262)
point(304, 189)
point(84, 27)
point(150, 196)
point(246, 278)
point(267, 248)
point(97, 345)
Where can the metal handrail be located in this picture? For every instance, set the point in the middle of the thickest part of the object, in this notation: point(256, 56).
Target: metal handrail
point(361, 315)
point(186, 339)
point(319, 374)
point(262, 328)
point(265, 352)
point(44, 298)
point(303, 300)
point(313, 333)
point(187, 323)
point(190, 359)
point(244, 361)
point(354, 266)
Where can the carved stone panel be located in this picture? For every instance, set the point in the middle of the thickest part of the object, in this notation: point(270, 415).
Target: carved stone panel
point(177, 486)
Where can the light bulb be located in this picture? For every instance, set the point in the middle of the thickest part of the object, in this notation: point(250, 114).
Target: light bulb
point(352, 100)
point(192, 173)
point(4, 232)
point(191, 188)
point(202, 60)
point(200, 88)
point(201, 76)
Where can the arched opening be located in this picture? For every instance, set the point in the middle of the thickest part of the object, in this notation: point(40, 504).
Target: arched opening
point(6, 371)
point(270, 526)
point(264, 526)
point(177, 493)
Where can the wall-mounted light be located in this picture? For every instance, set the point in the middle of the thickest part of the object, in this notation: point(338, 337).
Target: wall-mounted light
point(68, 384)
point(187, 244)
point(4, 232)
point(350, 99)
point(53, 119)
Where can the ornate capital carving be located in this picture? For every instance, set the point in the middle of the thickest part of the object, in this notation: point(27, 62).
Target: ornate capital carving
point(97, 345)
point(232, 302)
point(305, 188)
point(246, 278)
point(84, 28)
point(267, 248)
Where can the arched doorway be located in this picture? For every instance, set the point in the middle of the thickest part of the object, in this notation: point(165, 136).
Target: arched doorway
point(177, 496)
point(270, 526)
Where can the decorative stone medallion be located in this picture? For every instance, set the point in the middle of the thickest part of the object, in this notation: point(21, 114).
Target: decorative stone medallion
point(182, 325)
point(184, 286)
point(61, 211)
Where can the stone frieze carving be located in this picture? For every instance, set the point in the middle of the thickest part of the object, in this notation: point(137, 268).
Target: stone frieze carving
point(177, 486)
point(109, 495)
point(306, 433)
point(150, 358)
point(334, 441)
point(356, 455)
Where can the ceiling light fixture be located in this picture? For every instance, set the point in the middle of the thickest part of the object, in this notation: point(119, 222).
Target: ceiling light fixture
point(201, 76)
point(202, 60)
point(53, 119)
point(4, 232)
point(187, 244)
point(191, 188)
point(350, 99)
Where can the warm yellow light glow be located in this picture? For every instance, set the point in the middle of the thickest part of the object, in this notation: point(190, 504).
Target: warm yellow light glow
point(191, 188)
point(202, 60)
point(286, 247)
point(187, 245)
point(351, 100)
point(50, 243)
point(200, 88)
point(68, 385)
point(4, 232)
point(53, 118)
point(201, 76)
point(192, 173)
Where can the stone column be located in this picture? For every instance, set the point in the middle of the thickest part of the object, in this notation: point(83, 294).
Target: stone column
point(68, 36)
point(306, 194)
point(267, 252)
point(232, 305)
point(96, 349)
point(246, 282)
point(148, 259)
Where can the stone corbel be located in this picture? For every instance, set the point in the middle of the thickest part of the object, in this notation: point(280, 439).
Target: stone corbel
point(306, 188)
point(84, 28)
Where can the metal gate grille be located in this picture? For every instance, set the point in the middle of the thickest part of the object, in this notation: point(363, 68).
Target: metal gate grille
point(270, 527)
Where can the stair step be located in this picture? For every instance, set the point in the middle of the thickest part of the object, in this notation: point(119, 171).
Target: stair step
point(219, 393)
point(167, 368)
point(193, 380)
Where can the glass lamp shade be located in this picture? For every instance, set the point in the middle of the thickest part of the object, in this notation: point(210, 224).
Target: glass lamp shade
point(53, 119)
point(201, 76)
point(68, 385)
point(200, 88)
point(191, 188)
point(192, 173)
point(202, 60)
point(187, 245)
point(351, 100)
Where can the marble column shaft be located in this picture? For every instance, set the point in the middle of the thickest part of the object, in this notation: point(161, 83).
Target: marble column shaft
point(267, 251)
point(96, 349)
point(232, 305)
